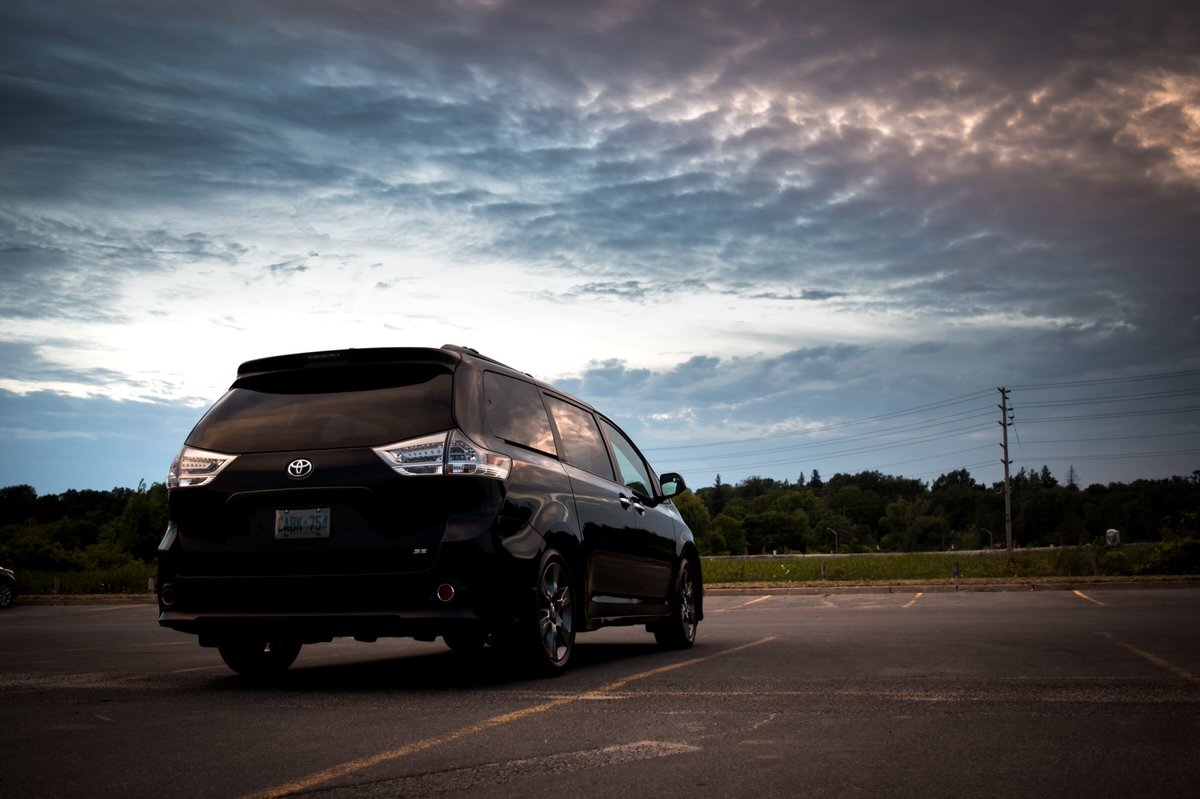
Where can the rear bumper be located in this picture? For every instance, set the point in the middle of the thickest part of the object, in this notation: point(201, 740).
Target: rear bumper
point(481, 590)
point(214, 627)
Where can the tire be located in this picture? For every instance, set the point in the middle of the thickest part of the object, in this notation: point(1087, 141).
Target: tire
point(545, 636)
point(679, 631)
point(259, 658)
point(8, 592)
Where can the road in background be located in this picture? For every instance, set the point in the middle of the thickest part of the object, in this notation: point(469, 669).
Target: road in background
point(1093, 693)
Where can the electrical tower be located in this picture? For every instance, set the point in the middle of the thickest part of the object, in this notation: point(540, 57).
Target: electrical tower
point(1006, 420)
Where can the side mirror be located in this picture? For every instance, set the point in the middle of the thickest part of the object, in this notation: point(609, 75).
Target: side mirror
point(672, 485)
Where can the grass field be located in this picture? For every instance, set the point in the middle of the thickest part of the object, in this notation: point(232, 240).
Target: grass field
point(934, 566)
point(132, 578)
point(1139, 560)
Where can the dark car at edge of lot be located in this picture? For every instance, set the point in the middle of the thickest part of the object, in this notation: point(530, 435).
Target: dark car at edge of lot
point(8, 587)
point(417, 493)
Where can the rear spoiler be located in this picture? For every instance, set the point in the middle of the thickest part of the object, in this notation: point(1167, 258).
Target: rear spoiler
point(371, 356)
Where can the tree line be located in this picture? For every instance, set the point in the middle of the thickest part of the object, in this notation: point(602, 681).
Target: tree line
point(865, 512)
point(871, 511)
point(81, 530)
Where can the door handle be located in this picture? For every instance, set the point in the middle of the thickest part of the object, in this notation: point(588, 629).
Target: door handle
point(632, 502)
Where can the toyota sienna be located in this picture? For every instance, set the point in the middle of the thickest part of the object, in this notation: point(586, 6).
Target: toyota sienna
point(419, 493)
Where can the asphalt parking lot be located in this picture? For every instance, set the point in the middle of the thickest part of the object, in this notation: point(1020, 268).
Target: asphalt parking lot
point(1093, 692)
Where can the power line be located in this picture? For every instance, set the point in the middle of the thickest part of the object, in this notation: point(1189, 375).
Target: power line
point(855, 451)
point(1118, 456)
point(987, 446)
point(1120, 415)
point(832, 426)
point(1114, 438)
point(968, 467)
point(1185, 392)
point(1109, 381)
point(884, 433)
point(941, 426)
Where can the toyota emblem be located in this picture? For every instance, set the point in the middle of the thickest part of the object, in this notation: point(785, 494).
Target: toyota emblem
point(299, 469)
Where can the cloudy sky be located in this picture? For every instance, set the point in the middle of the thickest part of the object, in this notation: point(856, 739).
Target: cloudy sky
point(766, 237)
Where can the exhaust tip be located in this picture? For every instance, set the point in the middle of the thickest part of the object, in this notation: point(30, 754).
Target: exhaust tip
point(167, 596)
point(445, 593)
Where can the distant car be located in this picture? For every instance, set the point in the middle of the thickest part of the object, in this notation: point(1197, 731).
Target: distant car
point(8, 587)
point(417, 493)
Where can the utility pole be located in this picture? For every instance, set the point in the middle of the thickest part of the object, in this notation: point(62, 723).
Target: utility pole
point(1006, 418)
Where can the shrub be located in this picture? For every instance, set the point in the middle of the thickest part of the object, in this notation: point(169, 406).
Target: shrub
point(1181, 556)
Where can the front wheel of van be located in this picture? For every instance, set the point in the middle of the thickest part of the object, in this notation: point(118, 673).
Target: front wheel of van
point(259, 658)
point(679, 631)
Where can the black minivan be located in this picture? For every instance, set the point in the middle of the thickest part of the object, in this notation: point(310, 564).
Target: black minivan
point(417, 493)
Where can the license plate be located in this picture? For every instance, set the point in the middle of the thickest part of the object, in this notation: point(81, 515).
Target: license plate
point(303, 523)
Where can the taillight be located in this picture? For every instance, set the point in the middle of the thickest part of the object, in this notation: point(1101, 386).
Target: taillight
point(196, 467)
point(444, 453)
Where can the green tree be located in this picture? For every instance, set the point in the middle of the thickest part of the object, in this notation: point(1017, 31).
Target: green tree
point(694, 512)
point(961, 501)
point(959, 478)
point(18, 504)
point(717, 497)
point(775, 531)
point(726, 536)
point(912, 527)
point(854, 504)
point(141, 523)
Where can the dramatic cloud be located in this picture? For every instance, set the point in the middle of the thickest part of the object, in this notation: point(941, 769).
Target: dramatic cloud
point(714, 219)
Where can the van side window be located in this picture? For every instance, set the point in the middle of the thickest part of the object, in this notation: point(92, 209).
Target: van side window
point(580, 438)
point(515, 413)
point(633, 470)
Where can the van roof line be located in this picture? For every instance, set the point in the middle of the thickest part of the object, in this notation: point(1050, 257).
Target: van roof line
point(474, 353)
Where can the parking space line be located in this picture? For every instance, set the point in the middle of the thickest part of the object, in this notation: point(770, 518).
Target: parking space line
point(915, 599)
point(1153, 659)
point(123, 606)
point(619, 684)
point(355, 766)
point(1087, 598)
point(744, 604)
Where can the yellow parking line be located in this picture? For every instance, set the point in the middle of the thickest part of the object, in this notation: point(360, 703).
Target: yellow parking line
point(1087, 598)
point(619, 684)
point(914, 600)
point(355, 766)
point(1154, 659)
point(123, 606)
point(744, 604)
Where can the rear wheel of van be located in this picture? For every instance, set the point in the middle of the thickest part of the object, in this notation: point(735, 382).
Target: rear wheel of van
point(259, 658)
point(679, 631)
point(545, 636)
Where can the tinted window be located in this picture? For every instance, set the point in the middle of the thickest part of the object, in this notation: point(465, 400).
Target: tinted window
point(327, 409)
point(630, 466)
point(515, 412)
point(580, 438)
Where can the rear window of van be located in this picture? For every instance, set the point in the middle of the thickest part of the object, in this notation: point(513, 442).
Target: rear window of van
point(328, 409)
